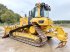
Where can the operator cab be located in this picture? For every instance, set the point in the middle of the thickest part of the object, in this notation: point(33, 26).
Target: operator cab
point(39, 14)
point(41, 9)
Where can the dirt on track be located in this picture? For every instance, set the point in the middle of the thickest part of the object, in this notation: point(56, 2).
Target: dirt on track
point(10, 45)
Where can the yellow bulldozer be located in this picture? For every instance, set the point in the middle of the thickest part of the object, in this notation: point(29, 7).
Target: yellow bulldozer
point(37, 28)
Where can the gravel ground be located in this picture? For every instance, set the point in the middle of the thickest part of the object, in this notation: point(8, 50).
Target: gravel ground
point(10, 45)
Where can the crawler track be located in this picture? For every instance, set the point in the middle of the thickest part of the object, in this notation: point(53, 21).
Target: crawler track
point(26, 40)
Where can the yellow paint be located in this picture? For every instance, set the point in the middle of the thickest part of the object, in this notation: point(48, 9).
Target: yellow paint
point(28, 35)
point(23, 21)
point(38, 7)
point(32, 29)
point(57, 32)
point(46, 21)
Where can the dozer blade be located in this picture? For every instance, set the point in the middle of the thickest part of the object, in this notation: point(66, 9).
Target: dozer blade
point(5, 36)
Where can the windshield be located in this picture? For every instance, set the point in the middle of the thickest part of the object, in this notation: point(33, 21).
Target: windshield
point(44, 13)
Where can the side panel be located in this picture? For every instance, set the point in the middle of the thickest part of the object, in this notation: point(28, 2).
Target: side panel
point(23, 21)
point(46, 21)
